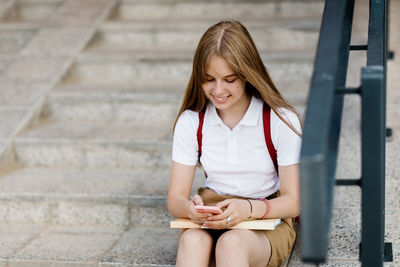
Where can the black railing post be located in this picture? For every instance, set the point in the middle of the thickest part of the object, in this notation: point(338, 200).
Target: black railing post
point(373, 166)
point(322, 129)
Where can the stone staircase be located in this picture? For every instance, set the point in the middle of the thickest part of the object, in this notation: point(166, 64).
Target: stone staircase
point(89, 90)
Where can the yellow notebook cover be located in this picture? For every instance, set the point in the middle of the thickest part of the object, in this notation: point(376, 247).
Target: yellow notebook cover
point(266, 224)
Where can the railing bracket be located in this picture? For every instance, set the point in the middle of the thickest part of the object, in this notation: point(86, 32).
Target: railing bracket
point(388, 253)
point(390, 55)
point(348, 90)
point(389, 134)
point(358, 47)
point(348, 182)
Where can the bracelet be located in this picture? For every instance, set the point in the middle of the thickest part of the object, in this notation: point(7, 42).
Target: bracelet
point(251, 210)
point(268, 207)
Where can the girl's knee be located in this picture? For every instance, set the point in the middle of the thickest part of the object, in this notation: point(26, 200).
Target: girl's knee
point(196, 237)
point(230, 241)
point(195, 246)
point(243, 248)
point(231, 249)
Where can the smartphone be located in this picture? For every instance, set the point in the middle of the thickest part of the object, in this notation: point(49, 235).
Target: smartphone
point(208, 209)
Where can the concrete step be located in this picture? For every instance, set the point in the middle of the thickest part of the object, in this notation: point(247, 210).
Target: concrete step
point(104, 196)
point(12, 40)
point(71, 205)
point(45, 246)
point(49, 245)
point(76, 197)
point(91, 102)
point(96, 144)
point(177, 10)
point(110, 245)
point(270, 35)
point(30, 11)
point(68, 196)
point(5, 60)
point(168, 67)
point(345, 238)
point(5, 8)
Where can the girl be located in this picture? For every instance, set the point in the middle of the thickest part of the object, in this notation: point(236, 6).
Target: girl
point(231, 88)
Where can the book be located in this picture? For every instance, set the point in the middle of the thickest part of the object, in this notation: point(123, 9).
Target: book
point(266, 224)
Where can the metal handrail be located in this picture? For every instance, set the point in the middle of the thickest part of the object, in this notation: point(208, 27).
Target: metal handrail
point(374, 251)
point(322, 130)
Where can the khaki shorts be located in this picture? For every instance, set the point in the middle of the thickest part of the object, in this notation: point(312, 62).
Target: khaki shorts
point(281, 239)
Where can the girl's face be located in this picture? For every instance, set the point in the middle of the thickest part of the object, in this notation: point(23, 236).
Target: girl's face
point(223, 87)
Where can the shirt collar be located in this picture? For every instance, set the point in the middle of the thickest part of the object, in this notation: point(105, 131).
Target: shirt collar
point(212, 115)
point(253, 112)
point(250, 118)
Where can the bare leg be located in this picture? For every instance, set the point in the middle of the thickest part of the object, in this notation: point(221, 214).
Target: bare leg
point(195, 246)
point(242, 248)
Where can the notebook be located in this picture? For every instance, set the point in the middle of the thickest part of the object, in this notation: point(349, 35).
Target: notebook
point(266, 224)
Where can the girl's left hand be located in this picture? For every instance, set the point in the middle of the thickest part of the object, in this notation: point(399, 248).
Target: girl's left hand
point(237, 209)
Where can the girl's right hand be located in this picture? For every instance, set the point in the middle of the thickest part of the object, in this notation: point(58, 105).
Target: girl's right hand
point(194, 215)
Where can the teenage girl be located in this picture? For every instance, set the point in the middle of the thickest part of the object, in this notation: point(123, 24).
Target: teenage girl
point(230, 86)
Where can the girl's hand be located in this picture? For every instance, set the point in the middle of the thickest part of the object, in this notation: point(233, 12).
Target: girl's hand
point(194, 215)
point(237, 209)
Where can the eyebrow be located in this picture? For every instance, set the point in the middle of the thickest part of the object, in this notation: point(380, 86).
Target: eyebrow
point(227, 76)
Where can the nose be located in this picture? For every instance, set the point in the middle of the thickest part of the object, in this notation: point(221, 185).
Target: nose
point(218, 88)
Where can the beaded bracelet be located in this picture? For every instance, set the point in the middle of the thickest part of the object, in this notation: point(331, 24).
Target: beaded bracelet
point(268, 207)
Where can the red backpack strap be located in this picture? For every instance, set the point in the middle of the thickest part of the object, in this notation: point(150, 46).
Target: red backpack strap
point(267, 135)
point(200, 131)
point(270, 145)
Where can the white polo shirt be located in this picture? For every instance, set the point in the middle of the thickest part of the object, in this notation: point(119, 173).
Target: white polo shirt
point(237, 161)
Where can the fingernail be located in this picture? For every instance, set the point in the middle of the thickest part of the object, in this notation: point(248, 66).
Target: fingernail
point(205, 224)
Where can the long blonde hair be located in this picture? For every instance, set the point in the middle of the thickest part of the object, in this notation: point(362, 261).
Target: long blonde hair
point(230, 40)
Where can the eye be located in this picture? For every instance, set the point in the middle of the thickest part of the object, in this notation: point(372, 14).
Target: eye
point(209, 79)
point(231, 81)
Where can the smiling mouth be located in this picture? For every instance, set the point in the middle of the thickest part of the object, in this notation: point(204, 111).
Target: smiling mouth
point(221, 100)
